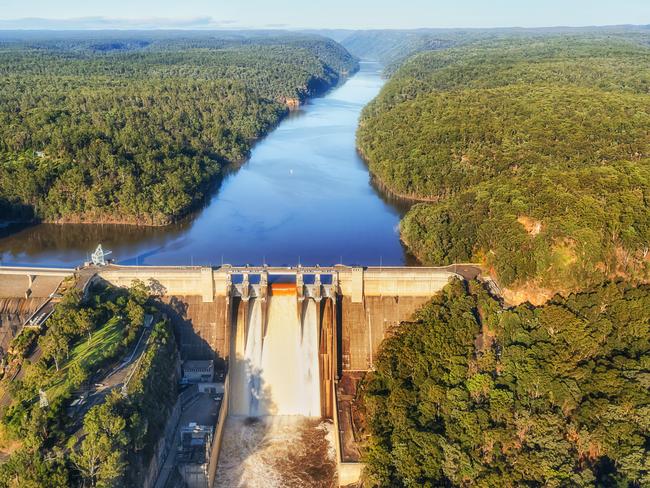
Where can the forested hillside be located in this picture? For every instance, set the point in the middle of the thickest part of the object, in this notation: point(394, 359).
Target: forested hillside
point(109, 440)
point(393, 46)
point(136, 128)
point(534, 156)
point(470, 394)
point(390, 46)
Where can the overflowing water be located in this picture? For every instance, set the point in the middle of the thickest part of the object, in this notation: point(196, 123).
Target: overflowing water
point(309, 372)
point(274, 436)
point(275, 370)
point(277, 452)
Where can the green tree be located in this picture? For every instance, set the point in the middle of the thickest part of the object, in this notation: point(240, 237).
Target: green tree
point(100, 459)
point(470, 394)
point(55, 346)
point(529, 156)
point(84, 321)
point(27, 469)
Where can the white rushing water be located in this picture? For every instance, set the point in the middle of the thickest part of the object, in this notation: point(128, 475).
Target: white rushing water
point(310, 371)
point(274, 436)
point(277, 373)
point(277, 452)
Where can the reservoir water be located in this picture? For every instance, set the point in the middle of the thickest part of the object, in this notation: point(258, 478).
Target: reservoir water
point(303, 197)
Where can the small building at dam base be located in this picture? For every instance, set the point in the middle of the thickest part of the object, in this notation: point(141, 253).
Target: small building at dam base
point(280, 341)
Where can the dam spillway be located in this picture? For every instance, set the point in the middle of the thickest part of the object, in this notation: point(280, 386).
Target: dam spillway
point(274, 435)
point(274, 368)
point(290, 344)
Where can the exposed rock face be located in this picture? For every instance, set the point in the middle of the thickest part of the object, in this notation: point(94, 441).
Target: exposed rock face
point(532, 226)
point(292, 103)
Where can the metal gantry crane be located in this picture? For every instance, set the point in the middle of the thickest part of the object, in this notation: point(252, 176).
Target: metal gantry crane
point(99, 256)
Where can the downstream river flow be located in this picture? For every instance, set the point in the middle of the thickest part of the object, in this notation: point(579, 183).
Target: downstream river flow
point(304, 197)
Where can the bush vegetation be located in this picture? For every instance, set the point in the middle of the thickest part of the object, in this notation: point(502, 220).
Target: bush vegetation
point(138, 130)
point(394, 47)
point(534, 156)
point(85, 338)
point(471, 394)
point(119, 436)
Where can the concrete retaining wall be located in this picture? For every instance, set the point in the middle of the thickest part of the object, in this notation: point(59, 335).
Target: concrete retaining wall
point(404, 282)
point(365, 326)
point(199, 326)
point(163, 448)
point(218, 435)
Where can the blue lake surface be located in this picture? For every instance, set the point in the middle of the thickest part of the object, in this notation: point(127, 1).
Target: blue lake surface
point(305, 196)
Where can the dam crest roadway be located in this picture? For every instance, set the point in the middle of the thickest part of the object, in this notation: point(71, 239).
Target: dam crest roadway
point(305, 334)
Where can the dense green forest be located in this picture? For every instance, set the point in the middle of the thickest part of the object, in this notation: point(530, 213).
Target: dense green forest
point(534, 156)
point(138, 128)
point(64, 446)
point(471, 394)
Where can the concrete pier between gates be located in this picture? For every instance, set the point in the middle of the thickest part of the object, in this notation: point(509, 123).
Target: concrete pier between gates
point(354, 309)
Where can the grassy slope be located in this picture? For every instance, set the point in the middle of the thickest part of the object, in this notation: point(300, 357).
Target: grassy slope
point(89, 353)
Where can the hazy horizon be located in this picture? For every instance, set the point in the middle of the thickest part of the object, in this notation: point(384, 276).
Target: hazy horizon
point(337, 14)
point(108, 24)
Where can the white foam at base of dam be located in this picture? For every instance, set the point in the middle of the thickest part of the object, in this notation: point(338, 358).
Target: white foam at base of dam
point(274, 436)
point(277, 452)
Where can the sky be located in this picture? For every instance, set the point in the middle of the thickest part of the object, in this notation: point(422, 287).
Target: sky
point(355, 14)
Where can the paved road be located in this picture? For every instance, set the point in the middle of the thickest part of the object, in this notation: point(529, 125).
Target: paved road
point(467, 271)
point(117, 377)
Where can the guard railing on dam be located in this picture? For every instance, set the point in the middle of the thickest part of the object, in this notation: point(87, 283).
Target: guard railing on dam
point(355, 282)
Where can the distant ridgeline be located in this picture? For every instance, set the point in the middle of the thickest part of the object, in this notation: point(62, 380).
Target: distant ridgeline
point(532, 155)
point(135, 127)
point(393, 47)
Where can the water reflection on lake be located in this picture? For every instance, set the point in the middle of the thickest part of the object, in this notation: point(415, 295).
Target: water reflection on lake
point(304, 197)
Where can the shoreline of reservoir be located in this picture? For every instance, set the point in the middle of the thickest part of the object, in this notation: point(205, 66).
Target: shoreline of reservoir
point(304, 196)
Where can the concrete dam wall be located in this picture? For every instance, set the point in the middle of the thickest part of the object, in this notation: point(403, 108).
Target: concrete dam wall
point(294, 344)
point(23, 292)
point(366, 302)
point(13, 313)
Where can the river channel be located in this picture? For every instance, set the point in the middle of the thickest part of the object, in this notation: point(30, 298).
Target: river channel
point(304, 197)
